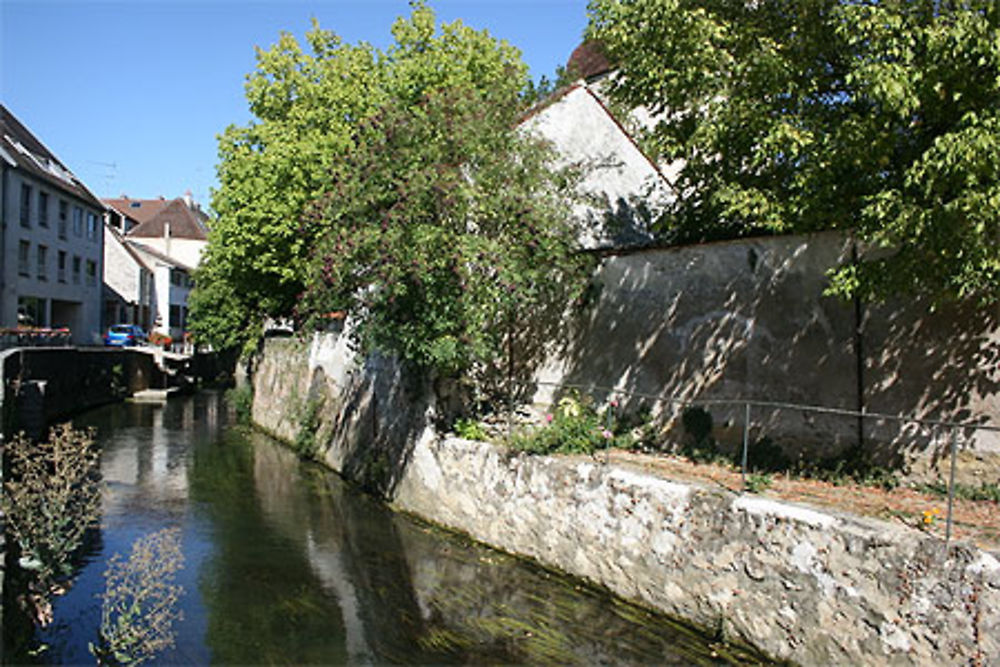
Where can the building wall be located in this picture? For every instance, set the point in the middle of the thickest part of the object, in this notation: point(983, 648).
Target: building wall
point(748, 320)
point(122, 276)
point(622, 190)
point(186, 251)
point(66, 301)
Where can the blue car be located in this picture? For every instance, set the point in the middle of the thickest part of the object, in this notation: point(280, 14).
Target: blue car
point(125, 335)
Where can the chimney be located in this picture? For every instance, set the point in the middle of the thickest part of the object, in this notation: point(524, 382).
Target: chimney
point(189, 200)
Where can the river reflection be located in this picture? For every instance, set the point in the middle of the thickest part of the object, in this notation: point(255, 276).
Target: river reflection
point(287, 564)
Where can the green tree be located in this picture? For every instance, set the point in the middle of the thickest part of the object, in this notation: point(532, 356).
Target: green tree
point(882, 118)
point(444, 230)
point(305, 105)
point(307, 108)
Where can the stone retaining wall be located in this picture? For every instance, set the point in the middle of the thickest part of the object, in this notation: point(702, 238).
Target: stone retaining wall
point(41, 385)
point(804, 585)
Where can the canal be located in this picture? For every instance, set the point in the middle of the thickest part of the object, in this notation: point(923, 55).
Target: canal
point(285, 563)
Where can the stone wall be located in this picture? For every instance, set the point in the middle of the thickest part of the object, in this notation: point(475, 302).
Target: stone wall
point(805, 585)
point(39, 386)
point(748, 320)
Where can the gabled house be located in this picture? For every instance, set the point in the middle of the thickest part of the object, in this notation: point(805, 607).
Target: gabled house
point(177, 228)
point(622, 190)
point(51, 239)
point(171, 285)
point(128, 282)
point(157, 244)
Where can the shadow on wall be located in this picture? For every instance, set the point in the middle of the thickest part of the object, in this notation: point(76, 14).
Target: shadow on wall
point(367, 427)
point(748, 320)
point(731, 320)
point(940, 365)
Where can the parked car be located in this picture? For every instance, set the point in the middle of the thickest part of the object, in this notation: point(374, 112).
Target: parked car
point(125, 335)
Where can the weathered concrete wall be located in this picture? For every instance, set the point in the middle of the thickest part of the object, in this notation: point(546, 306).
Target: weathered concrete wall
point(801, 584)
point(747, 320)
point(42, 385)
point(361, 417)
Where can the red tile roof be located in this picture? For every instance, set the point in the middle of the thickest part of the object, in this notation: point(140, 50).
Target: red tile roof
point(588, 60)
point(185, 223)
point(139, 210)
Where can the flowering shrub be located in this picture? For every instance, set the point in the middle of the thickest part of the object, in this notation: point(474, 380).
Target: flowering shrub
point(140, 601)
point(160, 340)
point(575, 427)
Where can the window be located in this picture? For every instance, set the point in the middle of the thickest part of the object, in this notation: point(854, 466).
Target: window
point(91, 226)
point(63, 213)
point(76, 270)
point(23, 254)
point(43, 260)
point(25, 205)
point(91, 272)
point(31, 311)
point(175, 317)
point(62, 266)
point(78, 221)
point(177, 278)
point(43, 209)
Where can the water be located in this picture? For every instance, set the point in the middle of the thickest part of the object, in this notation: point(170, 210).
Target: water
point(284, 563)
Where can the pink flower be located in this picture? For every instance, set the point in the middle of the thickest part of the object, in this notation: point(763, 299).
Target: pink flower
point(607, 434)
point(614, 403)
point(548, 418)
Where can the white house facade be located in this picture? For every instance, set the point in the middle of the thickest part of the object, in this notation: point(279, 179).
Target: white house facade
point(51, 240)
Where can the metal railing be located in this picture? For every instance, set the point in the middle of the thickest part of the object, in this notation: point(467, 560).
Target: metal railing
point(11, 338)
point(609, 393)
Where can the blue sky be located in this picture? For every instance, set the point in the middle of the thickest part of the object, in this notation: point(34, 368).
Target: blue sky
point(131, 94)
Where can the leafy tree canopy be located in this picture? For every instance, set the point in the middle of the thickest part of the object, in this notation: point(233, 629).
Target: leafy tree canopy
point(444, 231)
point(880, 117)
point(393, 184)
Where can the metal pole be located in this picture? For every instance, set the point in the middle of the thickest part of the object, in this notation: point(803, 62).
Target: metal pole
point(746, 444)
point(951, 482)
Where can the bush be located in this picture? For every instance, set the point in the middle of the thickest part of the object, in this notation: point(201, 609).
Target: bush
point(469, 429)
point(139, 603)
point(241, 399)
point(574, 427)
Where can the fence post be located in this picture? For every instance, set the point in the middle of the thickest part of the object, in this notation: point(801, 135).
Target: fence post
point(746, 444)
point(951, 482)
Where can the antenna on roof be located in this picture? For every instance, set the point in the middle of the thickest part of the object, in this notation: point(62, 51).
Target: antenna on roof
point(110, 174)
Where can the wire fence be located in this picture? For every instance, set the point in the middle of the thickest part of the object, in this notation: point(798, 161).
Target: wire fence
point(748, 410)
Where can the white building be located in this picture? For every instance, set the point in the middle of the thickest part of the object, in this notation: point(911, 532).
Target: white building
point(51, 240)
point(155, 246)
point(622, 190)
point(128, 283)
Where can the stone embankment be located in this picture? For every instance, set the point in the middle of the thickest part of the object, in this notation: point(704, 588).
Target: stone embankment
point(805, 585)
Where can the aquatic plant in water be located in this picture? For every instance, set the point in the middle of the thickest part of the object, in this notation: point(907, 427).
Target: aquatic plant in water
point(50, 498)
point(139, 603)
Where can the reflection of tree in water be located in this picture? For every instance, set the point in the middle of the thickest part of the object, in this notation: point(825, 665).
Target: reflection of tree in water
point(408, 593)
point(264, 604)
point(494, 607)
